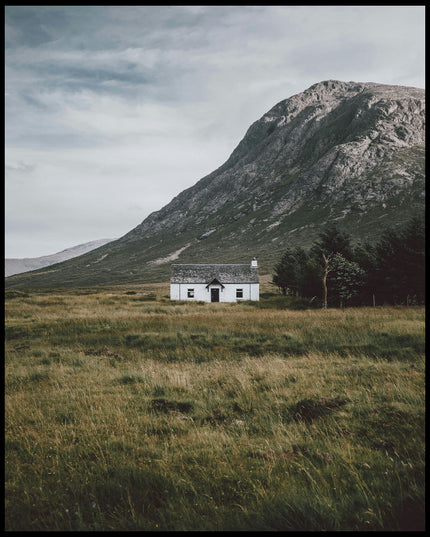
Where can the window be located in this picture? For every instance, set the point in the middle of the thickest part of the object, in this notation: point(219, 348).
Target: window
point(239, 293)
point(190, 293)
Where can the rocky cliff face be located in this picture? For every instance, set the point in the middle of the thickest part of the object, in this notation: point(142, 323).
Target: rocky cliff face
point(340, 151)
point(337, 142)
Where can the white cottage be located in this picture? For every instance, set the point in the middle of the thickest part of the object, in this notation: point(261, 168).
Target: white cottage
point(215, 283)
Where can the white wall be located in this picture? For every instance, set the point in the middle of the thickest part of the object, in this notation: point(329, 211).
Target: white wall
point(179, 291)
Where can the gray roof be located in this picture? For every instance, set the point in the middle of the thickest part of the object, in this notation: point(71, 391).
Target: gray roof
point(234, 273)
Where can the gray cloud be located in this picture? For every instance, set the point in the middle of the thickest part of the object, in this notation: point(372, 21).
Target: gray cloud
point(111, 111)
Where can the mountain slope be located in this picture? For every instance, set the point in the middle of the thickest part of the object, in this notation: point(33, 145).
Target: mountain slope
point(18, 266)
point(347, 152)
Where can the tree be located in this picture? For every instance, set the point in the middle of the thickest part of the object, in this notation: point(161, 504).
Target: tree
point(332, 240)
point(284, 272)
point(393, 270)
point(365, 256)
point(414, 259)
point(400, 265)
point(347, 278)
point(325, 252)
point(326, 269)
point(289, 272)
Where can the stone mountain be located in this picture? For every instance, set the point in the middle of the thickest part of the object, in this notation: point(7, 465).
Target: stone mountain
point(348, 152)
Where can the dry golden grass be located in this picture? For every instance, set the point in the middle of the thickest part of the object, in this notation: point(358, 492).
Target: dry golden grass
point(123, 413)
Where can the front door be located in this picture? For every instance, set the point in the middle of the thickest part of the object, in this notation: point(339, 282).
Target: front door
point(214, 295)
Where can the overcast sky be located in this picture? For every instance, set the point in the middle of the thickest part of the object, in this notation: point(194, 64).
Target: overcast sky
point(111, 111)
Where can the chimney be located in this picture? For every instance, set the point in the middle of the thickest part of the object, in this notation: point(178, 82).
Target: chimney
point(254, 262)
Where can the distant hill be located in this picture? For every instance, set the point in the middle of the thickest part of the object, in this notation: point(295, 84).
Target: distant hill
point(348, 152)
point(18, 266)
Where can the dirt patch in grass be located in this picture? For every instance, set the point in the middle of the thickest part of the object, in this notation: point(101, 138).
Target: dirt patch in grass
point(308, 409)
point(163, 405)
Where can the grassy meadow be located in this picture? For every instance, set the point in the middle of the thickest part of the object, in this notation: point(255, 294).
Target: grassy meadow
point(124, 411)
